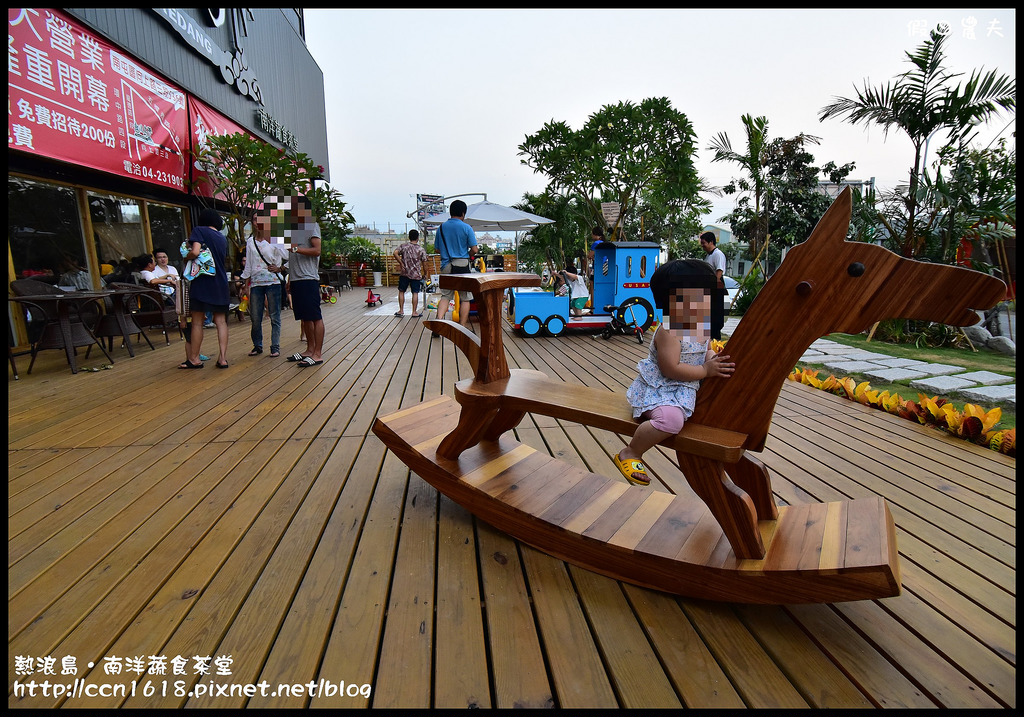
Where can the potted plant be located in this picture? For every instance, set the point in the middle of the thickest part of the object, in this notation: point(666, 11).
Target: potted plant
point(359, 258)
point(377, 267)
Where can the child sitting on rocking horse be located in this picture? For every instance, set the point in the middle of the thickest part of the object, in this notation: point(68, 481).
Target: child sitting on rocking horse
point(664, 393)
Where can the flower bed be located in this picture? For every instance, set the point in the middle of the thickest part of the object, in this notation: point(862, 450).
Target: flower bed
point(974, 424)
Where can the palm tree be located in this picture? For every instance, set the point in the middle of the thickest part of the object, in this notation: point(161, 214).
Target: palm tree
point(920, 102)
point(751, 160)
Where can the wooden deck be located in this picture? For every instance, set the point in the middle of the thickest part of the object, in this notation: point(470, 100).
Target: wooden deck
point(251, 515)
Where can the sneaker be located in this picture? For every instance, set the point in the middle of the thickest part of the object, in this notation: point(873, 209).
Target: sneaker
point(209, 325)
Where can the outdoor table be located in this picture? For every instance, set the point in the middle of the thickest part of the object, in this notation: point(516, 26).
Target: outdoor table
point(60, 330)
point(336, 276)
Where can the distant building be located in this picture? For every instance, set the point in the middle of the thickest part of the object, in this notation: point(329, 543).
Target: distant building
point(832, 189)
point(386, 241)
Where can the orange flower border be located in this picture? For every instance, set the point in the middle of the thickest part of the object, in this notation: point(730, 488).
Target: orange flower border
point(974, 424)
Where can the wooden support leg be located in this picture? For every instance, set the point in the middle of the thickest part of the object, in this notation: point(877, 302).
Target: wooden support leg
point(730, 505)
point(474, 420)
point(753, 478)
point(505, 420)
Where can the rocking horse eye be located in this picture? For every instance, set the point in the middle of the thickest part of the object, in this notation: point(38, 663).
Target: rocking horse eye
point(855, 269)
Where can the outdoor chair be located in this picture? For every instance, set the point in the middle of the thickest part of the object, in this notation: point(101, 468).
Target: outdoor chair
point(147, 309)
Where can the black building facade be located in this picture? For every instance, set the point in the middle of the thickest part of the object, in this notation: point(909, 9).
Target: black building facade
point(105, 107)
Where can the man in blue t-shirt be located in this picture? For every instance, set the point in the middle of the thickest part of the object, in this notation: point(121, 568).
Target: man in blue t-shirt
point(456, 243)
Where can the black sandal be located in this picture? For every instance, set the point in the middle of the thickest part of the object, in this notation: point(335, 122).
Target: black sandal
point(255, 351)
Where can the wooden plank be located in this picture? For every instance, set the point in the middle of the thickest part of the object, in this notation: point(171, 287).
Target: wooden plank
point(460, 653)
point(812, 672)
point(753, 673)
point(637, 675)
point(946, 685)
point(949, 640)
point(518, 676)
point(352, 649)
point(409, 629)
point(294, 520)
point(577, 671)
point(696, 675)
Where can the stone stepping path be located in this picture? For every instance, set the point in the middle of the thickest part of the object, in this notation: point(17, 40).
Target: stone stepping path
point(984, 387)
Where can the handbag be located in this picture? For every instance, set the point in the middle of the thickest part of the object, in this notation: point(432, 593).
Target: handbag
point(203, 264)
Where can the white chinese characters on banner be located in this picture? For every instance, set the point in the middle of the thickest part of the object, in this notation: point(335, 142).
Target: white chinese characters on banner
point(72, 97)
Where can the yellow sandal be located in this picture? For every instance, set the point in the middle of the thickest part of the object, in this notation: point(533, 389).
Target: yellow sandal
point(628, 467)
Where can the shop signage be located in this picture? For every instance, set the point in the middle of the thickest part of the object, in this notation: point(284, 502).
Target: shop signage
point(276, 129)
point(74, 97)
point(234, 68)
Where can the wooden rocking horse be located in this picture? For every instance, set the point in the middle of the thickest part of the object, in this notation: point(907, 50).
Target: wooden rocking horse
point(734, 544)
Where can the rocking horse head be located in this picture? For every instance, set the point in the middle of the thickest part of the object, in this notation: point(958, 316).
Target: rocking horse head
point(828, 285)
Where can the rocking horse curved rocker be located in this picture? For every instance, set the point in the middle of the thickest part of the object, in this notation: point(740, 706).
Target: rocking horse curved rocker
point(734, 543)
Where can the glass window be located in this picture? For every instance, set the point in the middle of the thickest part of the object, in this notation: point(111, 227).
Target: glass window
point(44, 230)
point(167, 227)
point(117, 226)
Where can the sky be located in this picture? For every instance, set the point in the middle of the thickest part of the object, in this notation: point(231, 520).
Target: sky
point(438, 101)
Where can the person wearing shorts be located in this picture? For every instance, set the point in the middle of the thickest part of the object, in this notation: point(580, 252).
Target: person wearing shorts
point(456, 243)
point(304, 273)
point(410, 257)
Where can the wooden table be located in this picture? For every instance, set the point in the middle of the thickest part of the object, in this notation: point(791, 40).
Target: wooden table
point(61, 331)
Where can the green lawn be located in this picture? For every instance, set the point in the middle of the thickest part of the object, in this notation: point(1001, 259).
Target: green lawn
point(981, 360)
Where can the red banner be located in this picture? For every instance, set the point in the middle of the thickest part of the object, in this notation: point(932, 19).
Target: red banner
point(205, 122)
point(74, 97)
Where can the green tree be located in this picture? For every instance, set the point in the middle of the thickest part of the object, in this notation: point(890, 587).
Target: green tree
point(669, 220)
point(335, 221)
point(243, 170)
point(752, 161)
point(782, 180)
point(567, 237)
point(921, 102)
point(622, 152)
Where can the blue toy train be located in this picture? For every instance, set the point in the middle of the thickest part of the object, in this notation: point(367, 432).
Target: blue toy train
point(622, 301)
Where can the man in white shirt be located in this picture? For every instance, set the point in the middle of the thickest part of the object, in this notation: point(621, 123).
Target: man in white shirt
point(161, 275)
point(263, 264)
point(715, 257)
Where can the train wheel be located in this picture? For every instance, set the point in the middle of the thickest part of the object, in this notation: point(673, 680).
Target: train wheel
point(555, 325)
point(531, 326)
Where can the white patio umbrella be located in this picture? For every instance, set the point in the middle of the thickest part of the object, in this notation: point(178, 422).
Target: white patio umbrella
point(488, 216)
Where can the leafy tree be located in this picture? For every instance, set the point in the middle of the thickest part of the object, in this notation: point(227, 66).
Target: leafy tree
point(921, 102)
point(783, 182)
point(977, 199)
point(622, 152)
point(667, 220)
point(751, 159)
point(335, 221)
point(568, 237)
point(243, 170)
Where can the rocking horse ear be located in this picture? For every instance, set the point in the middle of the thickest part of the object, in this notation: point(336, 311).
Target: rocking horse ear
point(834, 224)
